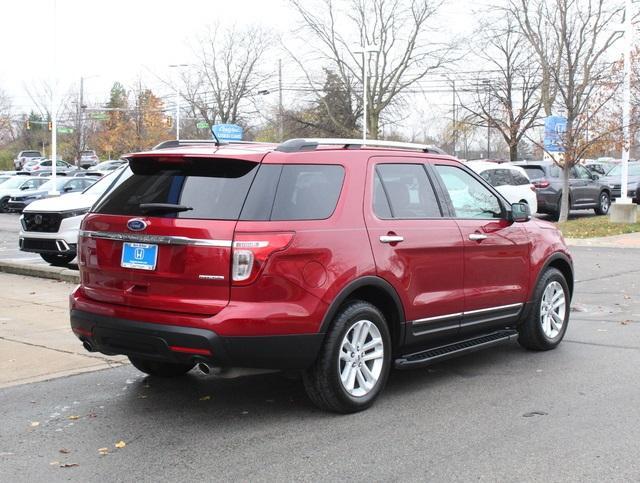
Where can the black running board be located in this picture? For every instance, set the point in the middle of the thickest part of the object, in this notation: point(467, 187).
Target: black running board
point(431, 356)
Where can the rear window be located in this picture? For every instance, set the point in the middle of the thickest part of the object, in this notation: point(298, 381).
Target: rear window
point(294, 192)
point(210, 188)
point(534, 172)
point(31, 154)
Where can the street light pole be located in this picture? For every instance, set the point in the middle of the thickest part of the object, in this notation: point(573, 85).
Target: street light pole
point(54, 104)
point(626, 101)
point(364, 50)
point(177, 99)
point(487, 84)
point(454, 118)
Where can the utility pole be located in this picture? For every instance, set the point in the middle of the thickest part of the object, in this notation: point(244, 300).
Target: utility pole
point(54, 103)
point(280, 109)
point(364, 50)
point(80, 114)
point(455, 117)
point(176, 80)
point(623, 211)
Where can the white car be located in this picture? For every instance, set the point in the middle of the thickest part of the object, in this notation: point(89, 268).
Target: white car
point(511, 181)
point(50, 226)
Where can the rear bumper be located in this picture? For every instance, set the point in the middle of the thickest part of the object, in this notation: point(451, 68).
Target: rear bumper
point(169, 343)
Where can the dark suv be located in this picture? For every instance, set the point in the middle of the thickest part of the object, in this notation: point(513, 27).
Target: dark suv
point(329, 257)
point(585, 189)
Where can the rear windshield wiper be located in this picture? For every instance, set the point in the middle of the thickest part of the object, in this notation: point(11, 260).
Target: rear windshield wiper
point(164, 207)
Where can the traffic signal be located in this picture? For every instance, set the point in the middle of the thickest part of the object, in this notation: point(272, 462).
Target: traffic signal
point(169, 121)
point(50, 125)
point(27, 124)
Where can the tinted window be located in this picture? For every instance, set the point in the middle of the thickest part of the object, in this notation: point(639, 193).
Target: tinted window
point(499, 177)
point(293, 192)
point(380, 201)
point(519, 179)
point(470, 199)
point(408, 191)
point(213, 188)
point(307, 192)
point(534, 172)
point(582, 172)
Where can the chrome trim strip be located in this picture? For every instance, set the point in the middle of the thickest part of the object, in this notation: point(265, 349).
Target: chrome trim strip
point(462, 314)
point(439, 317)
point(158, 239)
point(489, 309)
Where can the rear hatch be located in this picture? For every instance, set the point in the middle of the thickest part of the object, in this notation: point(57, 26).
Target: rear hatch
point(161, 238)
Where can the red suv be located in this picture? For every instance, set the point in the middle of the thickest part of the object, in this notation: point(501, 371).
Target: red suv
point(330, 257)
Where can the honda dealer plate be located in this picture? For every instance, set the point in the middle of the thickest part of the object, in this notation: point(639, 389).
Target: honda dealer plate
point(139, 255)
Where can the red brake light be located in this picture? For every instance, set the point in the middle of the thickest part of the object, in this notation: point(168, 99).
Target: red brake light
point(251, 252)
point(541, 183)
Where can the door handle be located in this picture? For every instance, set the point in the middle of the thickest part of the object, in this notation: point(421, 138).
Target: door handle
point(477, 236)
point(391, 239)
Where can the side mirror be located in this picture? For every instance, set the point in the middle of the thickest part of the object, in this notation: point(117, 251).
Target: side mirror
point(520, 212)
point(68, 188)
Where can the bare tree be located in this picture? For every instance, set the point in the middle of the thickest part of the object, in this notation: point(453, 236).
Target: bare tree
point(508, 101)
point(580, 33)
point(227, 74)
point(7, 130)
point(405, 49)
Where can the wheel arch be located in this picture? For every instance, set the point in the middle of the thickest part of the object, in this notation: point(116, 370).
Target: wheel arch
point(377, 292)
point(560, 262)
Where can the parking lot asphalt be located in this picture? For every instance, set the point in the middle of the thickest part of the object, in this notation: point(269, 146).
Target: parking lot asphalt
point(500, 415)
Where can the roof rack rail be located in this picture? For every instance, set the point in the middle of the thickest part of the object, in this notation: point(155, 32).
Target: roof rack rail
point(310, 144)
point(175, 143)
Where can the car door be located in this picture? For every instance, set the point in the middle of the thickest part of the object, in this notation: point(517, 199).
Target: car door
point(578, 188)
point(416, 249)
point(496, 251)
point(591, 187)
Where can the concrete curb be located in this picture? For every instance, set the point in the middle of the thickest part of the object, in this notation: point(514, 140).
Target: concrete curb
point(53, 273)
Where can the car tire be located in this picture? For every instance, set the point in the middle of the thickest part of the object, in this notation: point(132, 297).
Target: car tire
point(545, 325)
point(56, 259)
point(4, 205)
point(346, 377)
point(160, 369)
point(604, 203)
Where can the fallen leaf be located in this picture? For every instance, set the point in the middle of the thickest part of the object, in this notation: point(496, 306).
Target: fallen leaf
point(120, 444)
point(534, 413)
point(54, 463)
point(627, 297)
point(64, 451)
point(205, 398)
point(626, 322)
point(103, 451)
point(34, 424)
point(68, 465)
point(73, 418)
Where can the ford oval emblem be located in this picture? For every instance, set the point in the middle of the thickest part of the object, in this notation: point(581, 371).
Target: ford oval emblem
point(136, 224)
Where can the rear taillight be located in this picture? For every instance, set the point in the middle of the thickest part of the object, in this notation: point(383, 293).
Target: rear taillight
point(541, 183)
point(532, 187)
point(251, 252)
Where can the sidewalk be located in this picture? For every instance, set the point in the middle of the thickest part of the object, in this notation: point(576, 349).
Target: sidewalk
point(36, 342)
point(629, 240)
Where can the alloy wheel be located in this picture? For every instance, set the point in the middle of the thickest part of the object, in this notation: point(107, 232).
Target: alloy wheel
point(553, 309)
point(361, 358)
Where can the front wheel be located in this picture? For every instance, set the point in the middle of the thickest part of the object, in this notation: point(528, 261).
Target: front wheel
point(161, 369)
point(4, 205)
point(353, 365)
point(546, 325)
point(604, 203)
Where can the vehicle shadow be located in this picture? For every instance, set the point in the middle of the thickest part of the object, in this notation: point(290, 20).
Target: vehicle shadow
point(273, 395)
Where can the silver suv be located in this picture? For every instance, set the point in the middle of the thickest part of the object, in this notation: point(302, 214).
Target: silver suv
point(23, 157)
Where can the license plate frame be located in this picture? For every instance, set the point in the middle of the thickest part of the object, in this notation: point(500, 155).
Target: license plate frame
point(139, 256)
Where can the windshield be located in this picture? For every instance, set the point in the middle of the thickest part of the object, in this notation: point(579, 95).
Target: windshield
point(14, 182)
point(634, 170)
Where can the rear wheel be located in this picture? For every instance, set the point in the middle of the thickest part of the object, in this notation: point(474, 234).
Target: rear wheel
point(546, 325)
point(161, 369)
point(4, 205)
point(57, 259)
point(353, 365)
point(604, 203)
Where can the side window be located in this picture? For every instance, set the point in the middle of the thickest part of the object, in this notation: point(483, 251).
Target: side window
point(488, 176)
point(582, 172)
point(307, 192)
point(502, 177)
point(469, 197)
point(408, 191)
point(519, 179)
point(380, 202)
